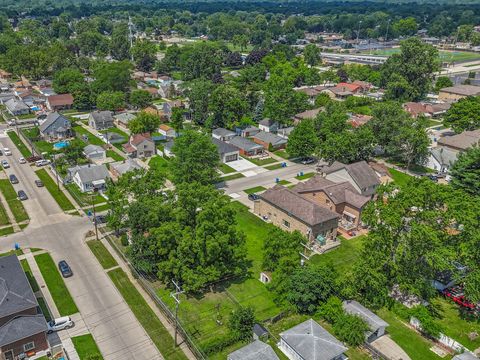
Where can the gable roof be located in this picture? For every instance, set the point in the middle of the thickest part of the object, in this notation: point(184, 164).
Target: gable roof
point(256, 350)
point(137, 139)
point(308, 114)
point(22, 327)
point(444, 155)
point(61, 99)
point(343, 86)
point(165, 127)
point(360, 172)
point(269, 138)
point(465, 356)
point(223, 147)
point(125, 117)
point(51, 119)
point(122, 167)
point(355, 308)
point(102, 116)
point(89, 173)
point(15, 292)
point(295, 205)
point(244, 143)
point(460, 141)
point(14, 105)
point(313, 342)
point(222, 132)
point(464, 90)
point(93, 149)
point(339, 193)
point(267, 122)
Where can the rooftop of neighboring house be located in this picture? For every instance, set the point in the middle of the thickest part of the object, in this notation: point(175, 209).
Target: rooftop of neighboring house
point(122, 167)
point(125, 117)
point(103, 116)
point(313, 342)
point(244, 143)
point(357, 120)
point(60, 100)
point(16, 105)
point(308, 114)
point(92, 149)
point(348, 86)
point(222, 132)
point(373, 320)
point(460, 141)
point(223, 147)
point(270, 138)
point(464, 90)
point(267, 122)
point(339, 193)
point(165, 127)
point(22, 327)
point(256, 350)
point(295, 205)
point(90, 172)
point(139, 138)
point(52, 118)
point(360, 172)
point(467, 355)
point(444, 155)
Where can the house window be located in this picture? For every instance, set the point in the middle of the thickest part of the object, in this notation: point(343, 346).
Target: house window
point(286, 223)
point(327, 201)
point(29, 346)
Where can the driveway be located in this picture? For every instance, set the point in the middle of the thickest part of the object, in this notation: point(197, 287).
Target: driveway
point(241, 165)
point(386, 346)
point(107, 317)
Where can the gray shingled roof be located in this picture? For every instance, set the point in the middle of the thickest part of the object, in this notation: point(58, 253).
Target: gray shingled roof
point(223, 147)
point(15, 292)
point(465, 90)
point(125, 117)
point(343, 192)
point(444, 156)
point(465, 356)
point(15, 105)
point(256, 350)
point(461, 141)
point(313, 342)
point(92, 149)
point(222, 132)
point(51, 119)
point(89, 173)
point(244, 143)
point(270, 138)
point(355, 308)
point(22, 327)
point(295, 205)
point(102, 116)
point(267, 122)
point(360, 172)
point(122, 167)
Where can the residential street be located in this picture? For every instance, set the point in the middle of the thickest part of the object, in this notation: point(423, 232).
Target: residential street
point(111, 322)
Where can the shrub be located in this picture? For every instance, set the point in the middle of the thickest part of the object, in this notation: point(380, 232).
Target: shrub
point(350, 329)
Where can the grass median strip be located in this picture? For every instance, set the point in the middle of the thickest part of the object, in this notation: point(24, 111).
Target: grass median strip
point(14, 204)
point(62, 298)
point(86, 347)
point(52, 188)
point(232, 177)
point(19, 144)
point(4, 220)
point(254, 190)
point(102, 254)
point(7, 231)
point(145, 315)
point(28, 272)
point(305, 176)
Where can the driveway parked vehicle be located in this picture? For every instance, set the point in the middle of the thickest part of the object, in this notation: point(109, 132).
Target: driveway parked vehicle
point(61, 323)
point(40, 163)
point(307, 160)
point(253, 197)
point(65, 269)
point(22, 195)
point(39, 183)
point(5, 164)
point(13, 179)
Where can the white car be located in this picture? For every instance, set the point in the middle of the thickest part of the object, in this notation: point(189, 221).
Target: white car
point(40, 163)
point(7, 151)
point(61, 323)
point(5, 164)
point(22, 160)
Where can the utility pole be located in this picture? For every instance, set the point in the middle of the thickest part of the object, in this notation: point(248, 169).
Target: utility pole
point(175, 295)
point(130, 35)
point(386, 33)
point(56, 170)
point(94, 213)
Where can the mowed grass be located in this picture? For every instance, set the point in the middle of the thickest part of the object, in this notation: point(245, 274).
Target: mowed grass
point(4, 220)
point(400, 178)
point(274, 167)
point(232, 177)
point(224, 168)
point(28, 272)
point(114, 156)
point(161, 164)
point(146, 316)
point(62, 298)
point(14, 204)
point(102, 254)
point(261, 162)
point(19, 144)
point(254, 189)
point(44, 308)
point(92, 139)
point(7, 231)
point(305, 176)
point(62, 201)
point(86, 347)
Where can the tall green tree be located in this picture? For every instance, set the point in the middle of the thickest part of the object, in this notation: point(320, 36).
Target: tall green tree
point(67, 80)
point(464, 114)
point(200, 61)
point(442, 82)
point(144, 123)
point(114, 76)
point(465, 172)
point(311, 53)
point(143, 53)
point(241, 323)
point(119, 43)
point(303, 140)
point(199, 96)
point(140, 99)
point(227, 106)
point(111, 100)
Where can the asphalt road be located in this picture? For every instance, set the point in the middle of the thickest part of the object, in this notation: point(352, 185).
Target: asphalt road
point(108, 318)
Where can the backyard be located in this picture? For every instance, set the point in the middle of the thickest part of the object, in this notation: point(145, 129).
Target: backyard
point(33, 134)
point(400, 178)
point(84, 199)
point(92, 139)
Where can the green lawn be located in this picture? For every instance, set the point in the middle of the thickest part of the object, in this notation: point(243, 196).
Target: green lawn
point(254, 189)
point(261, 162)
point(26, 116)
point(86, 347)
point(160, 163)
point(274, 167)
point(28, 272)
point(113, 155)
point(19, 144)
point(224, 168)
point(146, 316)
point(444, 55)
point(14, 204)
point(283, 154)
point(7, 189)
point(12, 252)
point(343, 257)
point(115, 130)
point(232, 177)
point(305, 176)
point(283, 182)
point(84, 199)
point(100, 208)
point(44, 308)
point(92, 139)
point(432, 122)
point(400, 178)
point(7, 231)
point(62, 201)
point(102, 254)
point(4, 220)
point(56, 286)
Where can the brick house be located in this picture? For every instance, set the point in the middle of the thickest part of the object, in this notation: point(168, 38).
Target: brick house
point(140, 146)
point(246, 147)
point(23, 328)
point(290, 211)
point(341, 198)
point(269, 140)
point(455, 93)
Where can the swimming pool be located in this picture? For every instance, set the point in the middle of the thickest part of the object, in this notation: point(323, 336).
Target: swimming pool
point(60, 145)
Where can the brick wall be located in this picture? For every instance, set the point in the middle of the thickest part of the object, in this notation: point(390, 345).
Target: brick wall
point(40, 341)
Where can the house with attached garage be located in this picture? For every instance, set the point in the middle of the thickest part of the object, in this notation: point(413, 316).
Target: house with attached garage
point(270, 141)
point(226, 151)
point(256, 350)
point(310, 341)
point(222, 134)
point(23, 328)
point(359, 174)
point(289, 211)
point(375, 324)
point(101, 120)
point(246, 147)
point(89, 177)
point(55, 126)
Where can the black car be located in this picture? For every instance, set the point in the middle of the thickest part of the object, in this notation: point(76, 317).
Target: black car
point(1, 152)
point(100, 219)
point(253, 197)
point(65, 269)
point(22, 195)
point(39, 183)
point(433, 177)
point(13, 179)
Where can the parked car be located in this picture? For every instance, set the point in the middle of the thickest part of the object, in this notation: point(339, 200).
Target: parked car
point(65, 269)
point(61, 323)
point(22, 195)
point(5, 164)
point(307, 160)
point(7, 151)
point(22, 160)
point(433, 177)
point(40, 163)
point(11, 122)
point(253, 197)
point(34, 158)
point(100, 219)
point(13, 179)
point(39, 183)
